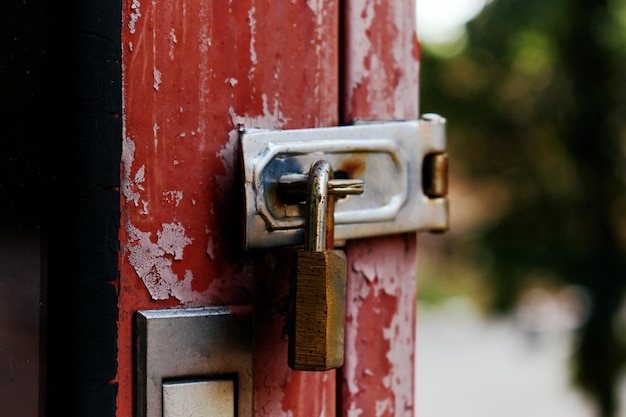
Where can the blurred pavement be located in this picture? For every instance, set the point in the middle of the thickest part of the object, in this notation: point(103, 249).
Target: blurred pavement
point(468, 366)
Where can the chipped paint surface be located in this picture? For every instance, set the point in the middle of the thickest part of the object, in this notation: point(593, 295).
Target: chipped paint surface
point(381, 72)
point(157, 79)
point(151, 263)
point(253, 56)
point(380, 82)
point(135, 14)
point(153, 255)
point(193, 72)
point(380, 329)
point(269, 119)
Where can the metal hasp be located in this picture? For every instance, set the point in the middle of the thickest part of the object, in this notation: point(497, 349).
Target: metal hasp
point(402, 166)
point(184, 354)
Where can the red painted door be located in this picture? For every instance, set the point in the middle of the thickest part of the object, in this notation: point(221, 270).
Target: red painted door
point(193, 72)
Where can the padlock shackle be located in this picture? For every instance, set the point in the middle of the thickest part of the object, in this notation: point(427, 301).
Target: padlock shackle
point(320, 208)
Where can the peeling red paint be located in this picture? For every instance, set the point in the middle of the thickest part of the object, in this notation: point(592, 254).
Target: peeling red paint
point(380, 81)
point(380, 330)
point(353, 166)
point(192, 73)
point(381, 70)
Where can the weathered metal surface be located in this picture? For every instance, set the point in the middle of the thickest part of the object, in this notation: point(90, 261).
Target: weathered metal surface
point(317, 311)
point(292, 187)
point(380, 81)
point(392, 156)
point(435, 175)
point(194, 72)
point(192, 343)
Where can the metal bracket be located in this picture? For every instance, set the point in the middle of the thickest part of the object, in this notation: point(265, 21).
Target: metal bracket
point(399, 162)
point(193, 346)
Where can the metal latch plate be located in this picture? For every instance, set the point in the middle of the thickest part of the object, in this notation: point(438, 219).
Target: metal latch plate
point(202, 349)
point(387, 156)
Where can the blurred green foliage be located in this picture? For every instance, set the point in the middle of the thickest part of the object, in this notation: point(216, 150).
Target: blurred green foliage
point(535, 98)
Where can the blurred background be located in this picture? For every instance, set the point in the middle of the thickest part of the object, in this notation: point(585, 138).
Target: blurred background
point(521, 304)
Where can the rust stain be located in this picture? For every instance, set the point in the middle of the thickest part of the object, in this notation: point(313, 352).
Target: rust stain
point(353, 166)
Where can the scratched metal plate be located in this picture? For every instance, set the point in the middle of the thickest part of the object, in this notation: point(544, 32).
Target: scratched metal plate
point(198, 342)
point(387, 156)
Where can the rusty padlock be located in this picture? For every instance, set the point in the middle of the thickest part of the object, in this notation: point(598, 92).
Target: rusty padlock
point(316, 325)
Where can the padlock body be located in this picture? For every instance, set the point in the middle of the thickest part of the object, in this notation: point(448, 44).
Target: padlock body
point(316, 336)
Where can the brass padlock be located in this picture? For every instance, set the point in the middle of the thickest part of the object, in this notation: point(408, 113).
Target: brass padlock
point(316, 323)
